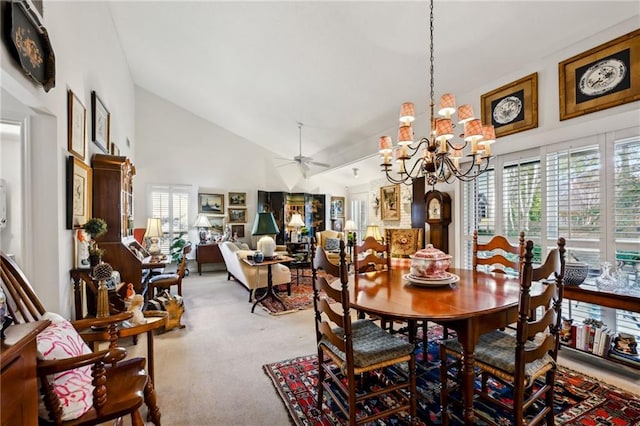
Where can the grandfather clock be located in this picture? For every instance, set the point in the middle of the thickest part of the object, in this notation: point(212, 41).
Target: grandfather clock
point(438, 216)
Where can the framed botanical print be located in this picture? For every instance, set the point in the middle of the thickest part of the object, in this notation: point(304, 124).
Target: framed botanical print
point(79, 177)
point(601, 77)
point(211, 203)
point(237, 198)
point(390, 196)
point(77, 126)
point(237, 215)
point(100, 123)
point(512, 108)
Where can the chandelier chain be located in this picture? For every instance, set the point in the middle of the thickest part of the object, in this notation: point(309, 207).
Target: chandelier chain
point(431, 67)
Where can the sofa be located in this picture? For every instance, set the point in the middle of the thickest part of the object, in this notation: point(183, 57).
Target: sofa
point(249, 276)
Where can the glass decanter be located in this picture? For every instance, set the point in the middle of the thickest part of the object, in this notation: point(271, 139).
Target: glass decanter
point(607, 280)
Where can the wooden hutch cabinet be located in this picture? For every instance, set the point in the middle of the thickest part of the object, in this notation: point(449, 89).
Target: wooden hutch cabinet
point(113, 202)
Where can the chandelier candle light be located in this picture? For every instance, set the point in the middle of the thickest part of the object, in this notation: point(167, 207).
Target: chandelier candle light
point(437, 156)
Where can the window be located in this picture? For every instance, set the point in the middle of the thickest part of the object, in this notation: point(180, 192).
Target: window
point(587, 191)
point(170, 203)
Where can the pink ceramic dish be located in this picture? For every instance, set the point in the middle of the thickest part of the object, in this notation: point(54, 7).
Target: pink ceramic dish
point(430, 263)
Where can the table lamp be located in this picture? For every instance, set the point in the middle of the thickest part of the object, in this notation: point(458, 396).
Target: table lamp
point(202, 223)
point(296, 223)
point(153, 232)
point(373, 231)
point(265, 224)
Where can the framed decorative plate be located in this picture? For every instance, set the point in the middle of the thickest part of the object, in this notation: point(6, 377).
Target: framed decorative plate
point(31, 45)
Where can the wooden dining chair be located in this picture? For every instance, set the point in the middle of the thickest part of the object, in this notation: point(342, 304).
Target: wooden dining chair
point(371, 255)
point(165, 281)
point(498, 255)
point(120, 386)
point(524, 362)
point(351, 352)
point(321, 261)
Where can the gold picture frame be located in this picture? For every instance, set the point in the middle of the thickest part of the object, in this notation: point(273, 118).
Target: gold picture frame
point(337, 207)
point(390, 201)
point(600, 78)
point(79, 184)
point(237, 215)
point(513, 107)
point(237, 199)
point(77, 126)
point(210, 203)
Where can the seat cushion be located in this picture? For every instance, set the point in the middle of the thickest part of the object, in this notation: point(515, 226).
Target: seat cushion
point(498, 349)
point(371, 344)
point(74, 389)
point(164, 277)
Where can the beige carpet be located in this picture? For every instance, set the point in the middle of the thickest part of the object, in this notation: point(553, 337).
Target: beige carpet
point(210, 373)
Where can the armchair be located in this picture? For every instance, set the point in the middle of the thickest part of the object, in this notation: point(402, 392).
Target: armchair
point(107, 387)
point(329, 241)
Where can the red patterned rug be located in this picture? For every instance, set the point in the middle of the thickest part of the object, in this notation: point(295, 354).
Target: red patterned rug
point(579, 400)
point(301, 295)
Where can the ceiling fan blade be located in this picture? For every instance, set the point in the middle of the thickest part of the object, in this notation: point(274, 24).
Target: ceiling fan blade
point(303, 169)
point(315, 163)
point(286, 164)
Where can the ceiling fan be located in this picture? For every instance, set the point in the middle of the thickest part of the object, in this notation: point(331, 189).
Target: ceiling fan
point(302, 161)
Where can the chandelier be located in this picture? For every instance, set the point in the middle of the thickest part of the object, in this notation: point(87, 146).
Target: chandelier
point(437, 157)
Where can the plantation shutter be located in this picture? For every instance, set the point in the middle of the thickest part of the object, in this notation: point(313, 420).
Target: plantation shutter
point(627, 226)
point(479, 210)
point(170, 203)
point(521, 200)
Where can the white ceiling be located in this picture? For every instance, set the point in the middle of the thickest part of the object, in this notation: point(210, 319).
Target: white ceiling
point(342, 68)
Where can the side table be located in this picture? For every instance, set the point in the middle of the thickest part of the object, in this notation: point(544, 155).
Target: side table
point(208, 253)
point(268, 263)
point(297, 265)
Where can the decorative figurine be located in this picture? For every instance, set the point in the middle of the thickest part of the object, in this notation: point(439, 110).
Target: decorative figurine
point(136, 307)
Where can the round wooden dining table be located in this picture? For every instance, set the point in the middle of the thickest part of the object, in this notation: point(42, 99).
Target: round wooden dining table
point(478, 303)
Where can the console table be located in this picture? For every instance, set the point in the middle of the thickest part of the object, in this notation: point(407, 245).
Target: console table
point(208, 253)
point(19, 381)
point(590, 294)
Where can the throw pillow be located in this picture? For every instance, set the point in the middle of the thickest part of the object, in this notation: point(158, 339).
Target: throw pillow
point(74, 389)
point(332, 244)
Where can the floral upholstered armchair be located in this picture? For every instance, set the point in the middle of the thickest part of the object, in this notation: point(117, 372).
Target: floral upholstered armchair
point(403, 242)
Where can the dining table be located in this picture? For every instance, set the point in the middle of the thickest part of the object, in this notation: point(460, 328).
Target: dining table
point(478, 302)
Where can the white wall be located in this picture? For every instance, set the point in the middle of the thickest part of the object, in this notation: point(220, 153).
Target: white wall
point(174, 146)
point(88, 57)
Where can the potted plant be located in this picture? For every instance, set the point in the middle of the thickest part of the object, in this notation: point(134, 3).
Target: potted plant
point(304, 232)
point(95, 227)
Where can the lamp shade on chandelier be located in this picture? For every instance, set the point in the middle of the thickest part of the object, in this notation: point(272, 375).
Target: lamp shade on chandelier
point(438, 155)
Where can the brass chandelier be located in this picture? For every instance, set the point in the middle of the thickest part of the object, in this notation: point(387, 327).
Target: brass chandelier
point(437, 157)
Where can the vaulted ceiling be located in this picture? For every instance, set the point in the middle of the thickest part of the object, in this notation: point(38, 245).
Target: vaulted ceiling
point(340, 67)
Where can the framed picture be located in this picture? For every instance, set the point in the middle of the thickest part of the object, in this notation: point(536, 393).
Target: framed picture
point(237, 215)
point(211, 203)
point(512, 108)
point(100, 123)
point(237, 198)
point(217, 224)
point(337, 207)
point(237, 230)
point(77, 127)
point(600, 78)
point(78, 192)
point(390, 196)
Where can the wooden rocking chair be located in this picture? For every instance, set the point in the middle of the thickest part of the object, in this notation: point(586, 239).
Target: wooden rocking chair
point(120, 386)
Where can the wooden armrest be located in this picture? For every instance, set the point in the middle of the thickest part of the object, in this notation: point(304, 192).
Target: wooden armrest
point(101, 322)
point(108, 356)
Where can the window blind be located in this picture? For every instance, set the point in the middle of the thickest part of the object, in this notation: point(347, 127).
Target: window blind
point(170, 203)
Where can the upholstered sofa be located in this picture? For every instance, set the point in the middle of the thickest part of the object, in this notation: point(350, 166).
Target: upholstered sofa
point(251, 277)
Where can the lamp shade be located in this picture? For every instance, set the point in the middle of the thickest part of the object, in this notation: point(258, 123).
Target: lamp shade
point(296, 221)
point(202, 222)
point(265, 224)
point(373, 231)
point(154, 228)
point(349, 225)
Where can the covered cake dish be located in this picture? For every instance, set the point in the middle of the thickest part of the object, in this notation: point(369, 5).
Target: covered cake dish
point(430, 263)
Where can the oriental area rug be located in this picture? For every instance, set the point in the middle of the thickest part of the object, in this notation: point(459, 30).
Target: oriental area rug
point(579, 400)
point(301, 295)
